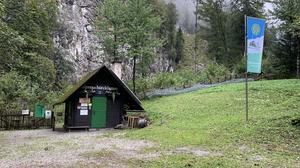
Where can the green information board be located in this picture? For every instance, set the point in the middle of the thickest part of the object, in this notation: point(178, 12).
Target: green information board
point(39, 111)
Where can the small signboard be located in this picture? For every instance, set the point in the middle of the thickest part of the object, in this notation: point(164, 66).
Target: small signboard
point(84, 112)
point(48, 114)
point(84, 100)
point(25, 112)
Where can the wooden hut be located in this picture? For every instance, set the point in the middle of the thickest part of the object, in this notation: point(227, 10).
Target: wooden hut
point(98, 100)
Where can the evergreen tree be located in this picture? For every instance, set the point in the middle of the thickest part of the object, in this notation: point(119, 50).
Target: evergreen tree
point(141, 24)
point(236, 26)
point(170, 26)
point(110, 26)
point(27, 50)
point(179, 45)
point(212, 14)
point(288, 50)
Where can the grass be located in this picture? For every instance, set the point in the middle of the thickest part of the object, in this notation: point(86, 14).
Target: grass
point(214, 119)
point(99, 154)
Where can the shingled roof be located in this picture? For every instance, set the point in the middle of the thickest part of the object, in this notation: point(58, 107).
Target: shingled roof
point(86, 78)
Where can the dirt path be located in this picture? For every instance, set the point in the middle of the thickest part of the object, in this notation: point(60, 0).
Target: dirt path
point(104, 148)
point(44, 148)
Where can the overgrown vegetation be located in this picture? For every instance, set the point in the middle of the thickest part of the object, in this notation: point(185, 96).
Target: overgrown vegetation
point(185, 77)
point(214, 120)
point(224, 32)
point(31, 68)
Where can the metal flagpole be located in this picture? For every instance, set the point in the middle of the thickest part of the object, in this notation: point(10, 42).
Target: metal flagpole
point(246, 73)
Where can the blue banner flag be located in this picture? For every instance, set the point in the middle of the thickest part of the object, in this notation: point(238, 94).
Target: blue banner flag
point(255, 43)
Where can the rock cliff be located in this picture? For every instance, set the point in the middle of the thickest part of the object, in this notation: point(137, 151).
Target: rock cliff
point(75, 38)
point(77, 41)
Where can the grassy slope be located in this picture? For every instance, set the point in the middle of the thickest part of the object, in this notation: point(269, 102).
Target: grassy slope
point(214, 119)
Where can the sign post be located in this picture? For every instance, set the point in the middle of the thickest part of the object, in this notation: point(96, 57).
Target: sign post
point(254, 43)
point(246, 73)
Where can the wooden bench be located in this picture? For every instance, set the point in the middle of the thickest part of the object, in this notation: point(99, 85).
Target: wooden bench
point(67, 129)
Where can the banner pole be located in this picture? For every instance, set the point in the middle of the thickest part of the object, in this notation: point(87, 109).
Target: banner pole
point(246, 73)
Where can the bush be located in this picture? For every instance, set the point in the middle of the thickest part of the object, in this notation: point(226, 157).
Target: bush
point(14, 93)
point(163, 80)
point(182, 78)
point(215, 71)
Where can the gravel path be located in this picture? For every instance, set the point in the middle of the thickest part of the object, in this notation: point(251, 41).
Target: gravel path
point(44, 148)
point(104, 148)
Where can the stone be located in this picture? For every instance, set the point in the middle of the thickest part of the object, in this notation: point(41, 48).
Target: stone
point(89, 28)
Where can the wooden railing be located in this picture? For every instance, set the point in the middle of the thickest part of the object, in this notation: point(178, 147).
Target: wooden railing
point(9, 122)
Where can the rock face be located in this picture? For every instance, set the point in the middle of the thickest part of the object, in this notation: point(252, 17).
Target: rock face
point(75, 38)
point(77, 41)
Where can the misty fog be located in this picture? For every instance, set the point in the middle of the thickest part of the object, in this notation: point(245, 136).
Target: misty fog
point(186, 17)
point(186, 10)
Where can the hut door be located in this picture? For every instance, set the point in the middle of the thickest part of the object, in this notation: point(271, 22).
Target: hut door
point(99, 112)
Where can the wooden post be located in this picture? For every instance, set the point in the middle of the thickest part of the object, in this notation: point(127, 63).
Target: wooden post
point(52, 121)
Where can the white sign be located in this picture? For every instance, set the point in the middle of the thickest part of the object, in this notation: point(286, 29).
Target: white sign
point(84, 112)
point(84, 104)
point(25, 112)
point(48, 114)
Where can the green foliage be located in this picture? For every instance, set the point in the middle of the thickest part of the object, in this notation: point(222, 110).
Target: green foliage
point(182, 78)
point(30, 62)
point(201, 58)
point(14, 92)
point(214, 72)
point(236, 26)
point(111, 27)
point(224, 31)
point(170, 31)
point(129, 30)
point(179, 45)
point(288, 42)
point(240, 66)
point(141, 25)
point(213, 13)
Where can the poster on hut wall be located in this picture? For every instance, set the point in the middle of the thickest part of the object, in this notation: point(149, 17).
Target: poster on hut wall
point(25, 112)
point(84, 106)
point(84, 112)
point(84, 100)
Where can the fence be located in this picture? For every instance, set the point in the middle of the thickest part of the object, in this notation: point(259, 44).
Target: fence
point(8, 122)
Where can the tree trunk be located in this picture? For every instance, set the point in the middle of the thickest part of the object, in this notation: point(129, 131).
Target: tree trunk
point(196, 31)
point(115, 47)
point(298, 59)
point(133, 73)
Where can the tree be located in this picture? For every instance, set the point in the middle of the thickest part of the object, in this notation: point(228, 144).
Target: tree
point(289, 36)
point(170, 25)
point(141, 25)
point(14, 90)
point(27, 50)
point(179, 45)
point(214, 31)
point(110, 26)
point(196, 45)
point(236, 26)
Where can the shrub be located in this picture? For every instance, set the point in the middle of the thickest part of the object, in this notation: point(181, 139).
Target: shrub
point(215, 71)
point(182, 78)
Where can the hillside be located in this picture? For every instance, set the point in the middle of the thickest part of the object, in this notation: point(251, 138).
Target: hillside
point(214, 120)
